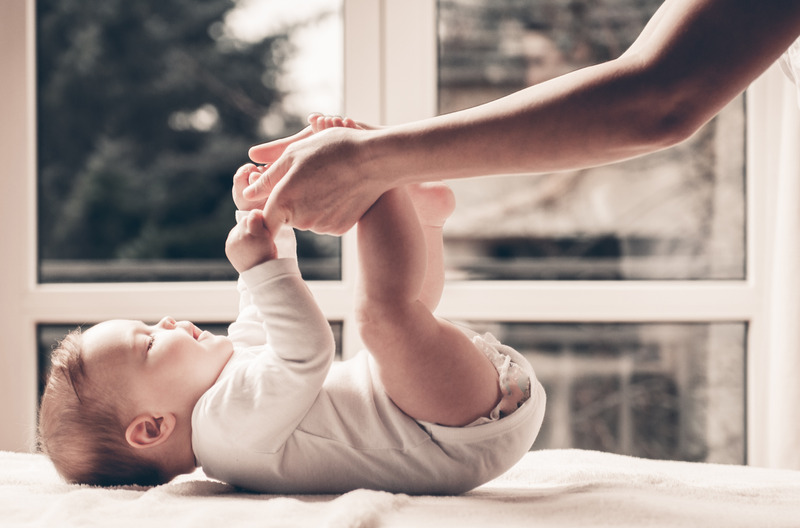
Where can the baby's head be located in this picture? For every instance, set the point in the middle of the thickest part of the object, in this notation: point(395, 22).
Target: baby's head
point(119, 397)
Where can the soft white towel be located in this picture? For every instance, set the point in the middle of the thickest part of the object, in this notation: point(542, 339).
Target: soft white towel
point(547, 488)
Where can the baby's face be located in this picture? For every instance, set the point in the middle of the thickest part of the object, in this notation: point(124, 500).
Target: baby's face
point(160, 368)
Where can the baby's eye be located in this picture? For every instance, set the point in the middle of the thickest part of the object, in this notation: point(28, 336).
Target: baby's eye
point(150, 343)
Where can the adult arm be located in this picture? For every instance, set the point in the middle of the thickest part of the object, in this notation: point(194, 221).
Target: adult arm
point(693, 57)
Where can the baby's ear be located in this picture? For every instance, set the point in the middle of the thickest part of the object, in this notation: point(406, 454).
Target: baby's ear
point(147, 430)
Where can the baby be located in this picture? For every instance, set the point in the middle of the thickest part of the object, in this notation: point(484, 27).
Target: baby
point(428, 408)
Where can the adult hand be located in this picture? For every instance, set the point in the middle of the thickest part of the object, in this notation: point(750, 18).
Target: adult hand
point(319, 182)
point(269, 153)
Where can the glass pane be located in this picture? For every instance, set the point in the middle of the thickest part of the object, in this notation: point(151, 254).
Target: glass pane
point(146, 109)
point(49, 335)
point(677, 214)
point(663, 391)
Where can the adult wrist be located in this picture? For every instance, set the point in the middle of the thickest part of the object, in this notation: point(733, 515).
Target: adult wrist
point(391, 157)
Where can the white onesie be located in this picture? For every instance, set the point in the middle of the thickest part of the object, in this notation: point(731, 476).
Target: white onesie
point(283, 418)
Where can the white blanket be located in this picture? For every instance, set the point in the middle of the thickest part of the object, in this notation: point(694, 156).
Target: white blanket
point(547, 488)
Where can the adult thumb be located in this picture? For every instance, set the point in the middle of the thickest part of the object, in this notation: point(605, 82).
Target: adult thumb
point(264, 182)
point(272, 150)
point(275, 215)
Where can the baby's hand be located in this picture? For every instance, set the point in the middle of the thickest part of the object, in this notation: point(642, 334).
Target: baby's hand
point(250, 243)
point(241, 180)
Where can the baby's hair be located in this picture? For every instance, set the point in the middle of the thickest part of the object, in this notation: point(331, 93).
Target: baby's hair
point(80, 427)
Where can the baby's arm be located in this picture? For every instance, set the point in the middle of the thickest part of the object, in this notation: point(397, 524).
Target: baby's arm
point(289, 314)
point(284, 377)
point(242, 249)
point(248, 329)
point(286, 374)
point(269, 386)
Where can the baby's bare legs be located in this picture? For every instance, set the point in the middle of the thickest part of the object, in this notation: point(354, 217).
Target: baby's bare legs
point(429, 368)
point(434, 203)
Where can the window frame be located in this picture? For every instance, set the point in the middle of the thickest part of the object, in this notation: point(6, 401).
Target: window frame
point(389, 76)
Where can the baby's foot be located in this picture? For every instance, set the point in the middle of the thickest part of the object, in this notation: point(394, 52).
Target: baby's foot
point(321, 122)
point(434, 202)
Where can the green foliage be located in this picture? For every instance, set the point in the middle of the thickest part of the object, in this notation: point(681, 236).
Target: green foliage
point(145, 110)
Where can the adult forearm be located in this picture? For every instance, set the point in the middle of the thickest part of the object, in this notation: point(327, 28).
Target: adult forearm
point(579, 120)
point(692, 59)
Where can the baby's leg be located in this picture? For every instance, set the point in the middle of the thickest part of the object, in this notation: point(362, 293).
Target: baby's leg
point(434, 203)
point(429, 368)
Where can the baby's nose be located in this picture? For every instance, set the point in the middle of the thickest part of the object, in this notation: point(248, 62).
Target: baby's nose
point(187, 326)
point(167, 322)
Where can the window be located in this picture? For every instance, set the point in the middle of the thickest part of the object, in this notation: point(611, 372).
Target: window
point(672, 391)
point(637, 389)
point(678, 214)
point(575, 294)
point(102, 223)
point(663, 266)
point(135, 157)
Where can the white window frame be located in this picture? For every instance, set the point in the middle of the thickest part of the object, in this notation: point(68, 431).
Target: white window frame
point(390, 76)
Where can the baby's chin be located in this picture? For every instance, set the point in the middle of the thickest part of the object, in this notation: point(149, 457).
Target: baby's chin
point(216, 344)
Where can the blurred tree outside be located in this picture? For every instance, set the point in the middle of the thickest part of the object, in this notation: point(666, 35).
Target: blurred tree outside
point(145, 110)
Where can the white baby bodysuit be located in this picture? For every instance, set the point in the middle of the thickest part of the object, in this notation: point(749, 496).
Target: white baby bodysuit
point(282, 418)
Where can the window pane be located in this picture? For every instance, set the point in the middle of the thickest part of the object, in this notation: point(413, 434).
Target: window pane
point(664, 391)
point(677, 214)
point(146, 109)
point(49, 335)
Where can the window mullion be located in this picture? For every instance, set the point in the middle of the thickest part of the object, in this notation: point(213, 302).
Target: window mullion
point(364, 42)
point(410, 60)
point(17, 198)
point(645, 301)
point(764, 108)
point(201, 302)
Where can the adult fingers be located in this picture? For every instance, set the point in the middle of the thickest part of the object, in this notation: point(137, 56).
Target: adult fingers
point(256, 173)
point(269, 152)
point(261, 182)
point(275, 213)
